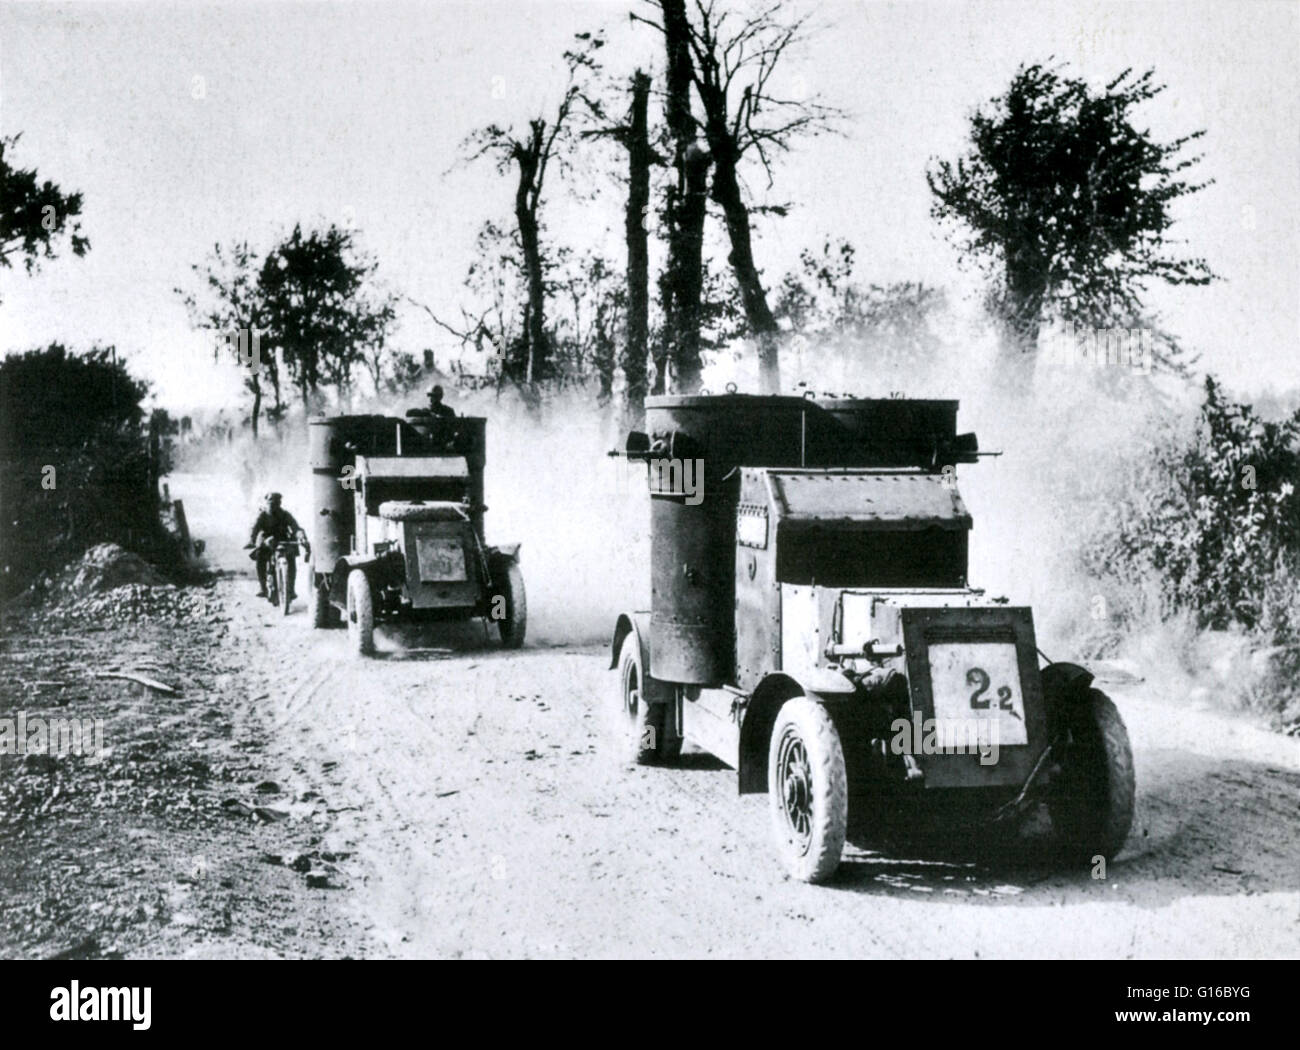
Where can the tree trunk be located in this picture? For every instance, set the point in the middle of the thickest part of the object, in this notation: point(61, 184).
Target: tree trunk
point(688, 276)
point(257, 403)
point(683, 281)
point(726, 191)
point(537, 365)
point(1022, 320)
point(638, 253)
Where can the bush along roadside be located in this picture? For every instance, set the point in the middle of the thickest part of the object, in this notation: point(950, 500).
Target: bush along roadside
point(77, 466)
point(1210, 535)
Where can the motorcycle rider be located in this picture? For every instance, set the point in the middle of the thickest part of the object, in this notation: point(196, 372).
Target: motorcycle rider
point(274, 524)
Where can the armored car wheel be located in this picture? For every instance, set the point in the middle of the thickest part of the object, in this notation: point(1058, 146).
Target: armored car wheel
point(808, 794)
point(515, 622)
point(321, 610)
point(1091, 804)
point(361, 614)
point(646, 728)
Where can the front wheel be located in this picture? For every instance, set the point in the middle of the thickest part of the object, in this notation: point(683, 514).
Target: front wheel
point(646, 723)
point(361, 614)
point(513, 621)
point(808, 794)
point(284, 583)
point(1091, 804)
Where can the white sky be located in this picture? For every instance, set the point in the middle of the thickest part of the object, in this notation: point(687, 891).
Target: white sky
point(320, 112)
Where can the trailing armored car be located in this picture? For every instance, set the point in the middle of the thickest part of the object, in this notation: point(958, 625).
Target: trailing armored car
point(398, 528)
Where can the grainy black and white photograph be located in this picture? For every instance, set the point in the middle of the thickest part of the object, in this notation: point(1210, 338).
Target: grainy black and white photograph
point(650, 479)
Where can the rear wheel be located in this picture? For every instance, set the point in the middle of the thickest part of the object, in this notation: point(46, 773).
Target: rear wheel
point(1091, 804)
point(646, 726)
point(808, 795)
point(361, 614)
point(514, 623)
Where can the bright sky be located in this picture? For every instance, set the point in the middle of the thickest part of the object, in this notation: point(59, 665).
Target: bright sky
point(337, 112)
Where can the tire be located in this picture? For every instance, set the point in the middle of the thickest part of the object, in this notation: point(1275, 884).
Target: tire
point(808, 794)
point(361, 614)
point(284, 581)
point(321, 610)
point(645, 728)
point(1091, 805)
point(514, 625)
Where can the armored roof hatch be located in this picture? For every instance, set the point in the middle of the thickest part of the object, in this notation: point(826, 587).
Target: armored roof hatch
point(893, 502)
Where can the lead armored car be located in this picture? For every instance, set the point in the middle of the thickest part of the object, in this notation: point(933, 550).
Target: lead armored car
point(812, 626)
point(398, 527)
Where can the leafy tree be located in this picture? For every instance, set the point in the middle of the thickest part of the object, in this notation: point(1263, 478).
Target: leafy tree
point(75, 461)
point(1211, 517)
point(229, 306)
point(34, 214)
point(823, 301)
point(1068, 202)
point(317, 308)
point(379, 316)
point(594, 322)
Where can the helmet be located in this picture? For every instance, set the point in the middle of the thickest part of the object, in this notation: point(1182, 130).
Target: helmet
point(272, 499)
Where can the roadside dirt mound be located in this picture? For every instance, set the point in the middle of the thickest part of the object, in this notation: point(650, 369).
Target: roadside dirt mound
point(111, 586)
point(104, 567)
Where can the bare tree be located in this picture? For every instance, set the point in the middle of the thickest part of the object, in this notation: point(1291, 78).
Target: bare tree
point(632, 133)
point(681, 284)
point(530, 155)
point(732, 65)
point(639, 158)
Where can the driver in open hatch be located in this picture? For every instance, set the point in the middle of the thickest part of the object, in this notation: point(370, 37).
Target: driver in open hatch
point(274, 524)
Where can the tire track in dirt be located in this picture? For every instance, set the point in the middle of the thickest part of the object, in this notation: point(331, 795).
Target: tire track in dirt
point(486, 818)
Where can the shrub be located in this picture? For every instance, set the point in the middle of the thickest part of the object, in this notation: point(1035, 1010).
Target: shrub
point(76, 465)
point(1209, 526)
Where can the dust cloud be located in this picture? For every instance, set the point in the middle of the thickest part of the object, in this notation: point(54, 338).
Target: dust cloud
point(581, 517)
point(1068, 439)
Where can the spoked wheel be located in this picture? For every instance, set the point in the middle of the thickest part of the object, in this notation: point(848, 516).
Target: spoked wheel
point(361, 614)
point(808, 795)
point(284, 584)
point(646, 727)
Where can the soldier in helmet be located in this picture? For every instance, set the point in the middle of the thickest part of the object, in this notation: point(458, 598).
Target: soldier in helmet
point(437, 421)
point(274, 524)
point(438, 409)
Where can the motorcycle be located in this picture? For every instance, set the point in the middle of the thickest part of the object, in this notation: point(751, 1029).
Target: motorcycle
point(283, 570)
point(284, 554)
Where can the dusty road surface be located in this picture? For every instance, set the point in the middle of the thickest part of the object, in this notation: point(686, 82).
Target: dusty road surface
point(473, 794)
point(449, 799)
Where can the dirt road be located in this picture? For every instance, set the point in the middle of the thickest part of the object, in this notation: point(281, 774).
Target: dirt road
point(484, 817)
